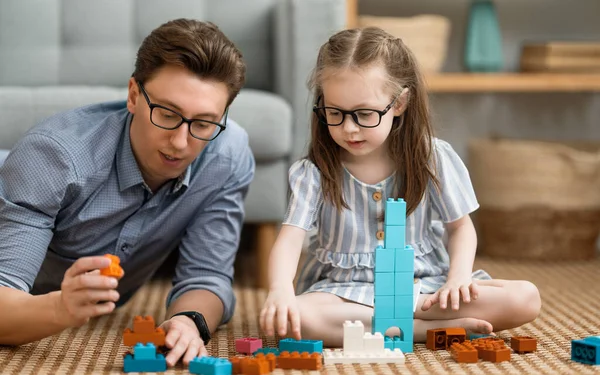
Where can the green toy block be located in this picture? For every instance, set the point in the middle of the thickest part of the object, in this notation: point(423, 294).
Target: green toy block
point(394, 237)
point(403, 283)
point(395, 212)
point(384, 259)
point(384, 283)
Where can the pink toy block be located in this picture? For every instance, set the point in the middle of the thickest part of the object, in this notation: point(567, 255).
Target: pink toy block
point(247, 345)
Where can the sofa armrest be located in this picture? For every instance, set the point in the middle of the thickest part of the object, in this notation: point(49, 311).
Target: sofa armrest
point(301, 27)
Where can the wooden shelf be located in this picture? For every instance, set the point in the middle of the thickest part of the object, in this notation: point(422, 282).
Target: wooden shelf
point(512, 82)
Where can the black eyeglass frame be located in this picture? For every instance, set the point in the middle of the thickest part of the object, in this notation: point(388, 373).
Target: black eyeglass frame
point(183, 118)
point(352, 113)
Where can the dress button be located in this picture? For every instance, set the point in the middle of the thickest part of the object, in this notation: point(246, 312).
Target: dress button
point(377, 196)
point(124, 247)
point(379, 235)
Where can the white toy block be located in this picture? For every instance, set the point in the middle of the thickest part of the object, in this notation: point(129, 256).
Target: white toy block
point(338, 356)
point(353, 336)
point(373, 343)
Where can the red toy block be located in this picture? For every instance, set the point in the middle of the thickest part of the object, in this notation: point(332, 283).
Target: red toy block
point(114, 269)
point(144, 331)
point(436, 339)
point(523, 344)
point(247, 345)
point(299, 361)
point(464, 352)
point(455, 335)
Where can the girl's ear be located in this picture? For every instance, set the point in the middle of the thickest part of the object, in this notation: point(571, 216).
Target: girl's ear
point(401, 102)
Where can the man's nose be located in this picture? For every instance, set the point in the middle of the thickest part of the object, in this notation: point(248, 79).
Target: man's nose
point(179, 136)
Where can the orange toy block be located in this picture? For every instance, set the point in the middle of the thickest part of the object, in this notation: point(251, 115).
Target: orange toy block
point(455, 335)
point(270, 358)
point(436, 339)
point(523, 344)
point(493, 350)
point(144, 331)
point(299, 361)
point(114, 269)
point(249, 365)
point(464, 352)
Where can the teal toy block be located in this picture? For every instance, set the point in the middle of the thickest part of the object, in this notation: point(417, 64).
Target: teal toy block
point(210, 366)
point(404, 346)
point(403, 307)
point(301, 346)
point(158, 364)
point(475, 336)
point(384, 259)
point(384, 307)
point(394, 237)
point(404, 259)
point(404, 283)
point(405, 341)
point(586, 351)
point(388, 343)
point(266, 351)
point(141, 351)
point(384, 284)
point(395, 212)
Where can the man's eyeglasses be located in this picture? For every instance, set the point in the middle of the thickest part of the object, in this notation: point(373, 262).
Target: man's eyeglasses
point(364, 117)
point(169, 119)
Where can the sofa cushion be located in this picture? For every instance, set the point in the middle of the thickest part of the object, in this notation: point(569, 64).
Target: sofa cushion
point(266, 117)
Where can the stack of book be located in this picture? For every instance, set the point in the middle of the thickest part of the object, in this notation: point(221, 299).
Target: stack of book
point(561, 57)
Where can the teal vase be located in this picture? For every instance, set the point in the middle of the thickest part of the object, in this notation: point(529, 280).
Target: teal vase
point(483, 45)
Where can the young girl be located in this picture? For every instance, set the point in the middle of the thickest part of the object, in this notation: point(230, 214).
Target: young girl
point(372, 139)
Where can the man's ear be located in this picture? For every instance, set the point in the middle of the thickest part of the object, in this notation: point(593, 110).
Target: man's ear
point(133, 94)
point(401, 102)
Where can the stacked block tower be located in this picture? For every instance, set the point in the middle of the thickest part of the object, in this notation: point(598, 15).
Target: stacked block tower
point(394, 275)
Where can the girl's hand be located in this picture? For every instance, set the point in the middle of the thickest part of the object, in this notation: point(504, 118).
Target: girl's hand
point(453, 288)
point(280, 307)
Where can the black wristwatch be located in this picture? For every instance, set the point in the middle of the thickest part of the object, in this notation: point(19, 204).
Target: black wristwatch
point(200, 324)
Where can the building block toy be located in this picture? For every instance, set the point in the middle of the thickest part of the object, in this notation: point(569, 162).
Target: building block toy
point(403, 285)
point(385, 306)
point(384, 283)
point(210, 366)
point(292, 345)
point(474, 336)
point(443, 338)
point(385, 259)
point(405, 260)
point(394, 236)
point(266, 351)
point(523, 344)
point(492, 349)
point(299, 361)
point(249, 365)
point(455, 335)
point(144, 359)
point(247, 345)
point(373, 343)
point(114, 269)
point(464, 352)
point(144, 331)
point(270, 358)
point(395, 212)
point(334, 356)
point(354, 333)
point(586, 351)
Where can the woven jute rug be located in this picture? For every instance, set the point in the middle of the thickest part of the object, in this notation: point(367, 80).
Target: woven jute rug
point(571, 308)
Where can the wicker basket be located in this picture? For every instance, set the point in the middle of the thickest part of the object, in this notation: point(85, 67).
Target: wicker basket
point(426, 35)
point(538, 199)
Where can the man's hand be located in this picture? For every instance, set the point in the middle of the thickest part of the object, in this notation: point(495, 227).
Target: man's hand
point(85, 293)
point(183, 339)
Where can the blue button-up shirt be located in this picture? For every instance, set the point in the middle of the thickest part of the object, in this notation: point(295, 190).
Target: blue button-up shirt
point(72, 188)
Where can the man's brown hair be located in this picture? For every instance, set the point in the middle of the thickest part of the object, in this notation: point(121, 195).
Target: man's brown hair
point(197, 46)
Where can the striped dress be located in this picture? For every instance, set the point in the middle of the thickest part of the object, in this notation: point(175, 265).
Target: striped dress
point(342, 252)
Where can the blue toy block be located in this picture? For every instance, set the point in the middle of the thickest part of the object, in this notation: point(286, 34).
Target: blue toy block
point(158, 364)
point(384, 283)
point(384, 307)
point(403, 307)
point(388, 343)
point(210, 366)
point(394, 237)
point(301, 346)
point(404, 346)
point(403, 283)
point(384, 259)
point(395, 212)
point(474, 336)
point(266, 351)
point(141, 351)
point(403, 342)
point(404, 259)
point(586, 351)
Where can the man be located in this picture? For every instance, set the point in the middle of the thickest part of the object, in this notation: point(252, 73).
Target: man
point(164, 171)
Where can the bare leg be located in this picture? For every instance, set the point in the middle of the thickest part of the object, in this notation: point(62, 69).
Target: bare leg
point(504, 303)
point(323, 315)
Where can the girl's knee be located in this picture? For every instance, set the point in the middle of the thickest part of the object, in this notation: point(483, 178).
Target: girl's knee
point(528, 302)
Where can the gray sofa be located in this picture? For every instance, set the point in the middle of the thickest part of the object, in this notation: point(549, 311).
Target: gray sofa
point(60, 54)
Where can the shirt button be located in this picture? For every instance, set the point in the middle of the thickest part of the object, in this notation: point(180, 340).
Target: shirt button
point(379, 235)
point(124, 247)
point(376, 196)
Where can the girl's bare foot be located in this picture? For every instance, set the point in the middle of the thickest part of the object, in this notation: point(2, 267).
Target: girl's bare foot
point(471, 325)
